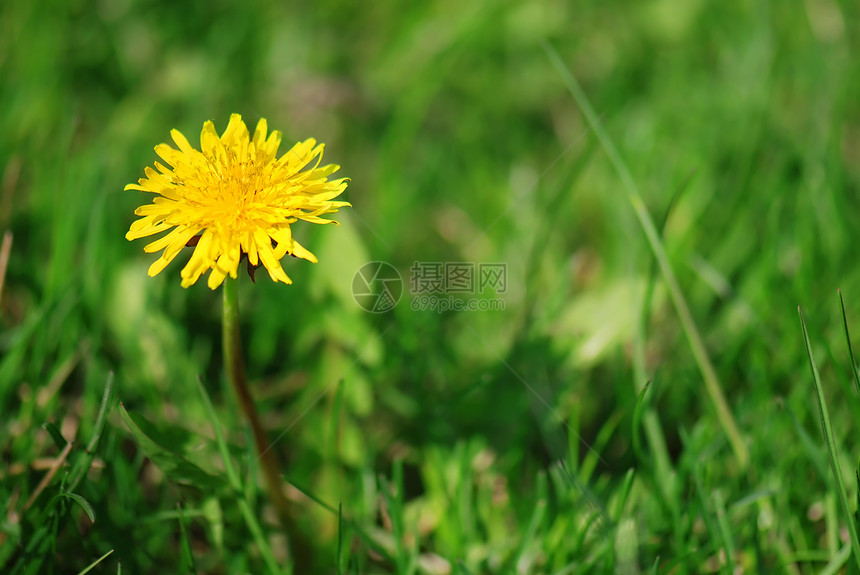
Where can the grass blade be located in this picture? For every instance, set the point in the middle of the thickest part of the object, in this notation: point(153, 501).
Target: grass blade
point(715, 535)
point(340, 538)
point(837, 562)
point(92, 565)
point(850, 347)
point(83, 503)
point(534, 522)
point(725, 529)
point(5, 250)
point(384, 552)
point(637, 417)
point(709, 374)
point(236, 485)
point(82, 466)
point(624, 495)
point(186, 555)
point(827, 430)
point(56, 435)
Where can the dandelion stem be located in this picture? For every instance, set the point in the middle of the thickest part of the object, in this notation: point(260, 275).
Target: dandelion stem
point(235, 368)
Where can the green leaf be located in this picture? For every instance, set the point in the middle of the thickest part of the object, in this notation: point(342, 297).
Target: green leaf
point(174, 466)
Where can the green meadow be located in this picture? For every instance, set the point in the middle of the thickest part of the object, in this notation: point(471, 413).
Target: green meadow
point(594, 224)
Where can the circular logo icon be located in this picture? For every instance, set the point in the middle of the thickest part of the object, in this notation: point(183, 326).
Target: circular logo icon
point(377, 287)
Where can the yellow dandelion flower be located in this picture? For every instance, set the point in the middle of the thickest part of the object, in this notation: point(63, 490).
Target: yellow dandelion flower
point(234, 199)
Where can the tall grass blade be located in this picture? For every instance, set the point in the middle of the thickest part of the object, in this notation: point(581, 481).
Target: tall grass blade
point(637, 417)
point(340, 539)
point(236, 485)
point(186, 555)
point(534, 522)
point(83, 464)
point(716, 536)
point(725, 529)
point(664, 475)
point(854, 374)
point(827, 430)
point(709, 374)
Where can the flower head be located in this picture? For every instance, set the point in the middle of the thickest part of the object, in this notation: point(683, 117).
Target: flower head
point(233, 199)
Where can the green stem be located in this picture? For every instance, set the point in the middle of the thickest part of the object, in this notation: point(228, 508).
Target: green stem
point(235, 368)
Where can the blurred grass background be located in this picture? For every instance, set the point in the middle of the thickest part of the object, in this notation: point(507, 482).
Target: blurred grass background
point(472, 442)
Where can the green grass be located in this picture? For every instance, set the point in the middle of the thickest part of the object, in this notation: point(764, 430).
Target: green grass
point(666, 182)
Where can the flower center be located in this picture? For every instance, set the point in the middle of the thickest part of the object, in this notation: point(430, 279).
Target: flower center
point(234, 204)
